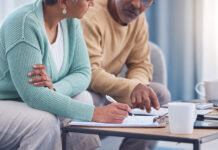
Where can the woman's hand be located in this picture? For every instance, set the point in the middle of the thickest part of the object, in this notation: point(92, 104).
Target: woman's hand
point(43, 79)
point(112, 113)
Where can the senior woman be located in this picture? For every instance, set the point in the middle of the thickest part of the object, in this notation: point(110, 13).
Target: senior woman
point(46, 32)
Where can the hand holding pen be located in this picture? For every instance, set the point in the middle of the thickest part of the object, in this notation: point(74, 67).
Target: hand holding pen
point(112, 113)
point(110, 99)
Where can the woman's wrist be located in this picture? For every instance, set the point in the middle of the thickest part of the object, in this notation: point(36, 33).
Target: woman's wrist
point(95, 116)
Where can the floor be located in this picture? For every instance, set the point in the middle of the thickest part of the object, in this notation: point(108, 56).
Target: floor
point(112, 143)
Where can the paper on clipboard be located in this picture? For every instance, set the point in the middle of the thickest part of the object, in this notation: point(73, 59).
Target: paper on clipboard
point(130, 121)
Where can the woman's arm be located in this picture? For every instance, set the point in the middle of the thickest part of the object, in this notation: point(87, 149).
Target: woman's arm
point(20, 59)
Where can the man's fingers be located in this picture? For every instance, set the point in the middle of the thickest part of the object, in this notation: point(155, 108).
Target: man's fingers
point(154, 100)
point(134, 101)
point(147, 104)
point(139, 101)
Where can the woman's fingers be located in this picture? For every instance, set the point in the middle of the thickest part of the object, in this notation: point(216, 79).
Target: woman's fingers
point(39, 66)
point(38, 79)
point(124, 107)
point(37, 72)
point(112, 113)
point(42, 78)
point(43, 83)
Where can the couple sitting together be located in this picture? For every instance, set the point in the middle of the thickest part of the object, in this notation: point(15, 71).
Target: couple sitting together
point(45, 57)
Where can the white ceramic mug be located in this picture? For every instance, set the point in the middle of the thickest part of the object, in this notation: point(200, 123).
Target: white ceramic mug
point(208, 89)
point(182, 117)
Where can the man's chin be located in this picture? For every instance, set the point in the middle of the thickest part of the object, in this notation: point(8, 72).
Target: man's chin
point(129, 20)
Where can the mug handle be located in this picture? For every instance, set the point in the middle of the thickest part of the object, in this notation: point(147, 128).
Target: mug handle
point(200, 84)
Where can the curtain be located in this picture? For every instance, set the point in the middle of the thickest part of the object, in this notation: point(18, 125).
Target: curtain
point(7, 6)
point(210, 40)
point(176, 26)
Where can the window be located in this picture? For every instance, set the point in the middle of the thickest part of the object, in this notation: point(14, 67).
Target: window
point(210, 40)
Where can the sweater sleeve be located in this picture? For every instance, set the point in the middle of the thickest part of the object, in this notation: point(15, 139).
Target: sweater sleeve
point(102, 81)
point(20, 59)
point(138, 62)
point(79, 75)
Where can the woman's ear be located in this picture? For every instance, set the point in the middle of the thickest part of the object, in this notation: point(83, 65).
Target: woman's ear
point(62, 3)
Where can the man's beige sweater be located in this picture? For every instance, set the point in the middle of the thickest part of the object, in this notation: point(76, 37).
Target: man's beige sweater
point(110, 47)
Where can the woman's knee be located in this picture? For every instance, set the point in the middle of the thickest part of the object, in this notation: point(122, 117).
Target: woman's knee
point(44, 124)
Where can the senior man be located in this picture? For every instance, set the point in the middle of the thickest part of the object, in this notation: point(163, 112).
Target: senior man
point(116, 34)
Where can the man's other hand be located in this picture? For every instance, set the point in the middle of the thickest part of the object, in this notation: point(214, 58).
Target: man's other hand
point(143, 97)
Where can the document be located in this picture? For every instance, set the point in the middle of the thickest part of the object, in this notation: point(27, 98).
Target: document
point(130, 121)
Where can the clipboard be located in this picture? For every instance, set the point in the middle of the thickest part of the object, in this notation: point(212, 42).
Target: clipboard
point(129, 122)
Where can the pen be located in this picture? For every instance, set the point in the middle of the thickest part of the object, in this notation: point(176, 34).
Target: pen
point(160, 118)
point(110, 99)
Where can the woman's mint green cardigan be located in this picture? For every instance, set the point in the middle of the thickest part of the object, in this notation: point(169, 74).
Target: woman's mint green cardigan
point(24, 43)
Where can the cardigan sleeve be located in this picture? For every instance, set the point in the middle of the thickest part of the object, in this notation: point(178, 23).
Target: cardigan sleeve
point(79, 75)
point(21, 57)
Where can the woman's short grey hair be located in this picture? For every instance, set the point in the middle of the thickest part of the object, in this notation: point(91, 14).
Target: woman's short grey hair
point(52, 2)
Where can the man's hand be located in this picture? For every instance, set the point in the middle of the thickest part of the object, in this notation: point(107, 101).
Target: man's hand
point(112, 113)
point(143, 96)
point(43, 79)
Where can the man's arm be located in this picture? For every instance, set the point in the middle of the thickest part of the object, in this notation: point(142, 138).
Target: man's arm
point(140, 69)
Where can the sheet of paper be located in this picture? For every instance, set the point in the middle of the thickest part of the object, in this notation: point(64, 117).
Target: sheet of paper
point(130, 121)
point(153, 112)
point(204, 112)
